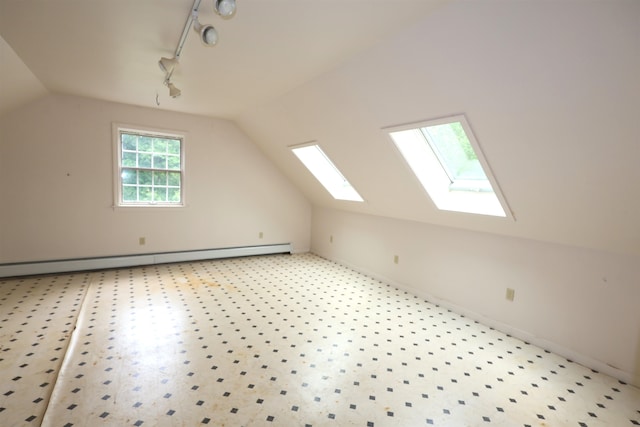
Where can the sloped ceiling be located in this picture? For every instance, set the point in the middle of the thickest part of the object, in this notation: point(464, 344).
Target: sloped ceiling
point(18, 85)
point(551, 90)
point(109, 49)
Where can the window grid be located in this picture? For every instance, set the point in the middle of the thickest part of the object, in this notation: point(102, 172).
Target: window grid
point(150, 169)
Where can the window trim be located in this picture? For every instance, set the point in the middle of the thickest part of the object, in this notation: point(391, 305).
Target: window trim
point(117, 130)
point(455, 200)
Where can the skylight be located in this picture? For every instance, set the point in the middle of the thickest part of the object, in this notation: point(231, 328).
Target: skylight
point(326, 172)
point(446, 159)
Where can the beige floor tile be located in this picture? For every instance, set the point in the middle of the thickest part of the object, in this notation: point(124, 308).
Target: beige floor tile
point(278, 340)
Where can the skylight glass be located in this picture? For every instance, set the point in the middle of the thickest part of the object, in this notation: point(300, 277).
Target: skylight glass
point(326, 172)
point(446, 159)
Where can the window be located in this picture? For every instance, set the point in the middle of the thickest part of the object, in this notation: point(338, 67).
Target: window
point(150, 168)
point(446, 159)
point(326, 172)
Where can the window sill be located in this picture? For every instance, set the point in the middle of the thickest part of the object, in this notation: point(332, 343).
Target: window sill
point(147, 207)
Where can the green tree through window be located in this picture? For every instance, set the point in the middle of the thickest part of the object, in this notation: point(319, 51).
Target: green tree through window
point(150, 169)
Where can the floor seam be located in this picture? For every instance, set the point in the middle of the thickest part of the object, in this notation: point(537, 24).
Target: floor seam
point(69, 350)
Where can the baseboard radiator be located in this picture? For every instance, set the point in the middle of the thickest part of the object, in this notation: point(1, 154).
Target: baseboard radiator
point(84, 264)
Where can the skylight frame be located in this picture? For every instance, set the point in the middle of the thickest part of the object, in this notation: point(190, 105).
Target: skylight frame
point(436, 180)
point(318, 163)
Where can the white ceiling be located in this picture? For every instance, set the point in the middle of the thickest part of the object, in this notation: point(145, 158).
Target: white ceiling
point(109, 49)
point(550, 88)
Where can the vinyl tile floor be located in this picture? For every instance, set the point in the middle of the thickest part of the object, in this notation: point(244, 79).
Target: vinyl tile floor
point(281, 340)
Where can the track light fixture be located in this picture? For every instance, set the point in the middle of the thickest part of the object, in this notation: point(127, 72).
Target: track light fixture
point(208, 35)
point(174, 92)
point(167, 64)
point(225, 8)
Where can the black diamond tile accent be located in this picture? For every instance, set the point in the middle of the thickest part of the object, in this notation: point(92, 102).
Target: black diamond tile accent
point(344, 331)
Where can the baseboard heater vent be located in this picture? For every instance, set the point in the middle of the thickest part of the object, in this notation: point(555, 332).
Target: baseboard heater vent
point(83, 264)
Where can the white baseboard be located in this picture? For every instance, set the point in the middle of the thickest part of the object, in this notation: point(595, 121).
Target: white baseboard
point(83, 264)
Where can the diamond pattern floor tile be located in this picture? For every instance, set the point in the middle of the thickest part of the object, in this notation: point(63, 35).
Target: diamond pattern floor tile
point(283, 340)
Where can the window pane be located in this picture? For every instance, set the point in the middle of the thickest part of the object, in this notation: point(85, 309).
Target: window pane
point(159, 161)
point(159, 145)
point(174, 195)
point(144, 160)
point(159, 178)
point(145, 144)
point(145, 177)
point(160, 194)
point(326, 172)
point(145, 194)
point(129, 194)
point(129, 176)
point(173, 146)
point(129, 159)
point(173, 162)
point(129, 142)
point(174, 179)
point(454, 150)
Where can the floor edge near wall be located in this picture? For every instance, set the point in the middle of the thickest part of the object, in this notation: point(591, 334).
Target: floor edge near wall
point(586, 361)
point(98, 263)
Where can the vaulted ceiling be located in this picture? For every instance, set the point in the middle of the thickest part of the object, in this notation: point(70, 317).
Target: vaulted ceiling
point(109, 49)
point(551, 90)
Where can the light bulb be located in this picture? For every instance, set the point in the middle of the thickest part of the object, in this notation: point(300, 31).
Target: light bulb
point(225, 8)
point(209, 36)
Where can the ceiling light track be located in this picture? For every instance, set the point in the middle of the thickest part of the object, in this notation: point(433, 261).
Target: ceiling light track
point(208, 35)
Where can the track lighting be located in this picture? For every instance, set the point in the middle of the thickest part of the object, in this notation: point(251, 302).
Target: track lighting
point(208, 34)
point(225, 8)
point(174, 92)
point(167, 64)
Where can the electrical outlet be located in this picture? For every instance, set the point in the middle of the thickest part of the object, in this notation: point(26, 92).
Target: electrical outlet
point(396, 259)
point(510, 294)
point(142, 241)
point(260, 235)
point(331, 239)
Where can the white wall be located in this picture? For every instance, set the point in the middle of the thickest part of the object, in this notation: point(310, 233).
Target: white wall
point(550, 89)
point(577, 302)
point(56, 184)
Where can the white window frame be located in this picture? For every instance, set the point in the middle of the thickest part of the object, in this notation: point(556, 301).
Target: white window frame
point(117, 130)
point(326, 173)
point(435, 180)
